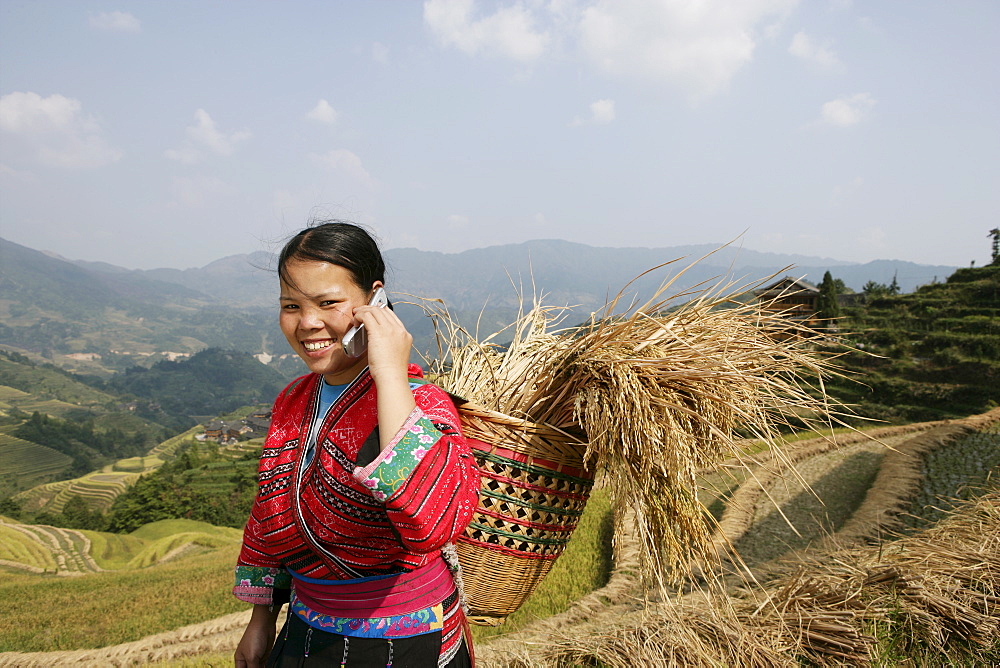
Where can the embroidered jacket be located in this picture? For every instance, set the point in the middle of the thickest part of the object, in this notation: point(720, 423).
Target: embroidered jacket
point(351, 511)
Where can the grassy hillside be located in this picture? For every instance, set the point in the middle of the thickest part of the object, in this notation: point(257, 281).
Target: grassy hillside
point(937, 349)
point(187, 589)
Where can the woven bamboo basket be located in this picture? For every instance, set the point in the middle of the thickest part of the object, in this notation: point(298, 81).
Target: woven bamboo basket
point(533, 491)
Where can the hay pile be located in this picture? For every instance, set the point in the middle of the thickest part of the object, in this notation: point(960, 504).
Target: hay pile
point(933, 597)
point(656, 393)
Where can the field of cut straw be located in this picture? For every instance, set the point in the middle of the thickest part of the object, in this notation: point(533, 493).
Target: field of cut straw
point(930, 599)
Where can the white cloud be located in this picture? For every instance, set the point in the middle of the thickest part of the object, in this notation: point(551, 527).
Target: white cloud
point(115, 22)
point(348, 165)
point(602, 112)
point(380, 53)
point(54, 131)
point(458, 222)
point(202, 136)
point(847, 111)
point(697, 46)
point(509, 32)
point(804, 47)
point(323, 113)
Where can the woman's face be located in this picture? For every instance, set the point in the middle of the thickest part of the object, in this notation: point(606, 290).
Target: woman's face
point(317, 307)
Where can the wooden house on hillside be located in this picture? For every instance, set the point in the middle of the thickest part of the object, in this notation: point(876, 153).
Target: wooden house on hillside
point(794, 298)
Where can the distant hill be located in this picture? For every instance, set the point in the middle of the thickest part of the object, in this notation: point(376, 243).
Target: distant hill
point(570, 273)
point(57, 307)
point(211, 382)
point(53, 307)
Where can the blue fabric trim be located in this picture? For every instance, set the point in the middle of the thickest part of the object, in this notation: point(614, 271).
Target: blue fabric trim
point(371, 578)
point(328, 395)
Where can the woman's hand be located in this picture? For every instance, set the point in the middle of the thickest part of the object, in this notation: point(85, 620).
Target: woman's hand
point(257, 639)
point(388, 342)
point(388, 357)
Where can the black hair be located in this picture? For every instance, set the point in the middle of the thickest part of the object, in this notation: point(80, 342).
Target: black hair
point(338, 242)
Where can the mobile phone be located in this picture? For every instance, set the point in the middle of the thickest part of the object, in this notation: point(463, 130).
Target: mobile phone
point(356, 340)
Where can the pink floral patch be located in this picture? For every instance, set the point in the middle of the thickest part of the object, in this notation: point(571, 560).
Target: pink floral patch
point(425, 438)
point(370, 483)
point(419, 452)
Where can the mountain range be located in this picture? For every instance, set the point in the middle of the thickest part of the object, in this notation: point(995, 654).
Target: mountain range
point(568, 272)
point(53, 305)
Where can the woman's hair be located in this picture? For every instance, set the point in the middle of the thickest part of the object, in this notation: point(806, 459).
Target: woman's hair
point(338, 242)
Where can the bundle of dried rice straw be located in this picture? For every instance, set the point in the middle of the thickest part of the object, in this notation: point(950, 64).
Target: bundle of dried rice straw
point(658, 392)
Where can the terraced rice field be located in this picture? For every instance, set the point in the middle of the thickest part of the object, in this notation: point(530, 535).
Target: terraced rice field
point(30, 404)
point(101, 488)
point(40, 549)
point(7, 394)
point(168, 448)
point(45, 549)
point(30, 462)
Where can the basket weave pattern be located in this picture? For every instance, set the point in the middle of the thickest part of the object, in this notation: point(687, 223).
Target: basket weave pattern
point(533, 491)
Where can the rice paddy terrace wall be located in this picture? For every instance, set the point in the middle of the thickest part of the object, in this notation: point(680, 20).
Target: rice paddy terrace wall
point(45, 549)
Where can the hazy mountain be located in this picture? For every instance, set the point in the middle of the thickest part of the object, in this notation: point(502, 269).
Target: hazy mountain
point(50, 306)
point(568, 272)
point(31, 278)
point(56, 305)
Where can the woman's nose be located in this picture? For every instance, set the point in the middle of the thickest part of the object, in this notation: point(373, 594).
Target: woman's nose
point(311, 319)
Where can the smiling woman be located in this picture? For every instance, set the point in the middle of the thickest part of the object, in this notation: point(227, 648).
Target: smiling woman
point(365, 479)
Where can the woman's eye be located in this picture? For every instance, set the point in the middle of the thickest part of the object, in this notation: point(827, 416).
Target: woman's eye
point(289, 307)
point(328, 302)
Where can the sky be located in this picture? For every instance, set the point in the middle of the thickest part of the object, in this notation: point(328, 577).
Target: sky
point(171, 134)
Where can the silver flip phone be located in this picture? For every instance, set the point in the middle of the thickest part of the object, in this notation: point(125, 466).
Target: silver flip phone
point(356, 339)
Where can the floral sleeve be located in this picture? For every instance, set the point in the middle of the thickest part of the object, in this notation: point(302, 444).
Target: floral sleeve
point(426, 476)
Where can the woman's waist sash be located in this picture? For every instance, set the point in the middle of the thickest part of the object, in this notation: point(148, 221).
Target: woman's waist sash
point(397, 594)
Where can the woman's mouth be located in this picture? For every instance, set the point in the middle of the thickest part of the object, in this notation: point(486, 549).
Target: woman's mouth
point(317, 345)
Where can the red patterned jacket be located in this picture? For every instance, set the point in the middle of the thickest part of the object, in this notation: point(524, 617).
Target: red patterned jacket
point(355, 511)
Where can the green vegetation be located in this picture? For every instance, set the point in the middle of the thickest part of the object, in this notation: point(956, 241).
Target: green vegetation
point(202, 483)
point(87, 428)
point(936, 350)
point(89, 449)
point(211, 382)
